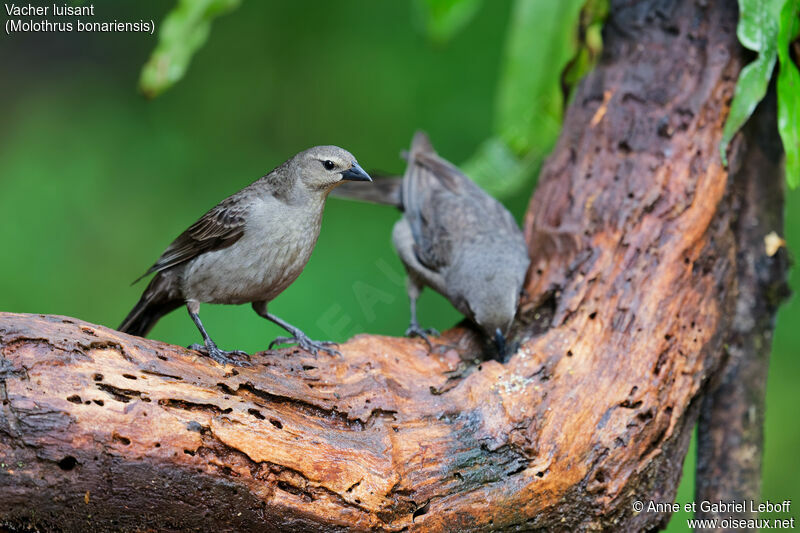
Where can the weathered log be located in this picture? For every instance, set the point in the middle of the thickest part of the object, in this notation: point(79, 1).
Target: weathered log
point(629, 301)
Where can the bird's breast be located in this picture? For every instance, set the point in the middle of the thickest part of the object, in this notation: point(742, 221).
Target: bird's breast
point(276, 245)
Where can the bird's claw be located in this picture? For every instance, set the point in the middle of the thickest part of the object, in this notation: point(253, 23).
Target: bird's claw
point(313, 347)
point(221, 356)
point(281, 340)
point(414, 330)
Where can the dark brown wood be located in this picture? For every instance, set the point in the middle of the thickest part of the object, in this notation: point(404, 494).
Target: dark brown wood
point(630, 298)
point(730, 431)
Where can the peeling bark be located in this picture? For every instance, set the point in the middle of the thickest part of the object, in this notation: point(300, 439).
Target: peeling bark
point(630, 297)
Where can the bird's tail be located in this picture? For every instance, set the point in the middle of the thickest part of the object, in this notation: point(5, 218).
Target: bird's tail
point(421, 143)
point(383, 190)
point(423, 156)
point(158, 299)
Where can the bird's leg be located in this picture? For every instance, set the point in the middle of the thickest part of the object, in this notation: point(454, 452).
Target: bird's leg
point(414, 330)
point(210, 348)
point(298, 336)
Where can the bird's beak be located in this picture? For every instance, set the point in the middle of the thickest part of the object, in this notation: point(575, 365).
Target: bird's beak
point(500, 342)
point(355, 173)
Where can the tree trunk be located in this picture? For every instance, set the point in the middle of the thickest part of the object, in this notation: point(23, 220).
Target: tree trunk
point(629, 302)
point(730, 432)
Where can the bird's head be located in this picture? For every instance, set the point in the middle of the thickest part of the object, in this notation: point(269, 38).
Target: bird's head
point(492, 297)
point(322, 168)
point(494, 305)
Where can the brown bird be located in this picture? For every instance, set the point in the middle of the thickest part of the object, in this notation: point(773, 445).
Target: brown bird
point(454, 238)
point(248, 248)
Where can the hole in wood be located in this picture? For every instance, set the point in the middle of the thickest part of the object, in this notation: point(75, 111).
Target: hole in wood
point(67, 463)
point(421, 511)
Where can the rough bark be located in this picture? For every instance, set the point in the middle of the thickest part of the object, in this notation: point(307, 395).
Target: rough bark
point(730, 431)
point(630, 298)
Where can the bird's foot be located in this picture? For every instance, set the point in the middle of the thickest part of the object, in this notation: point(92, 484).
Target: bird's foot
point(313, 347)
point(222, 357)
point(414, 330)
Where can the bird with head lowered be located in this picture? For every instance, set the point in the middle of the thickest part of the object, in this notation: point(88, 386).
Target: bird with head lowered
point(454, 238)
point(248, 248)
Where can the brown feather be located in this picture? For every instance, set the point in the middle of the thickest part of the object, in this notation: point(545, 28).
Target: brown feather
point(222, 226)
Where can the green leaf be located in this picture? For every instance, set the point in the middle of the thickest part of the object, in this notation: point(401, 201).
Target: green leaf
point(444, 18)
point(590, 42)
point(789, 92)
point(757, 26)
point(542, 39)
point(750, 90)
point(183, 31)
point(758, 31)
point(496, 168)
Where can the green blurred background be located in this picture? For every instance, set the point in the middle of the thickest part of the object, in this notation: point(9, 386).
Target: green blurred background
point(95, 181)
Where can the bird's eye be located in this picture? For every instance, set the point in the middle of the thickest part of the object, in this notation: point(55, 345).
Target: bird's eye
point(328, 165)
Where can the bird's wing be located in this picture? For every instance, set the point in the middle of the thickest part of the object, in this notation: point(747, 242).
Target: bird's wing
point(222, 226)
point(430, 186)
point(445, 208)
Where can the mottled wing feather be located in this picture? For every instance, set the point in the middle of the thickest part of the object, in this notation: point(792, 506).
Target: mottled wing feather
point(439, 200)
point(219, 228)
point(433, 245)
point(423, 198)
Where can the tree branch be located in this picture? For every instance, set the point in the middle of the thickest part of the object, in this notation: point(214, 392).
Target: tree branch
point(730, 435)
